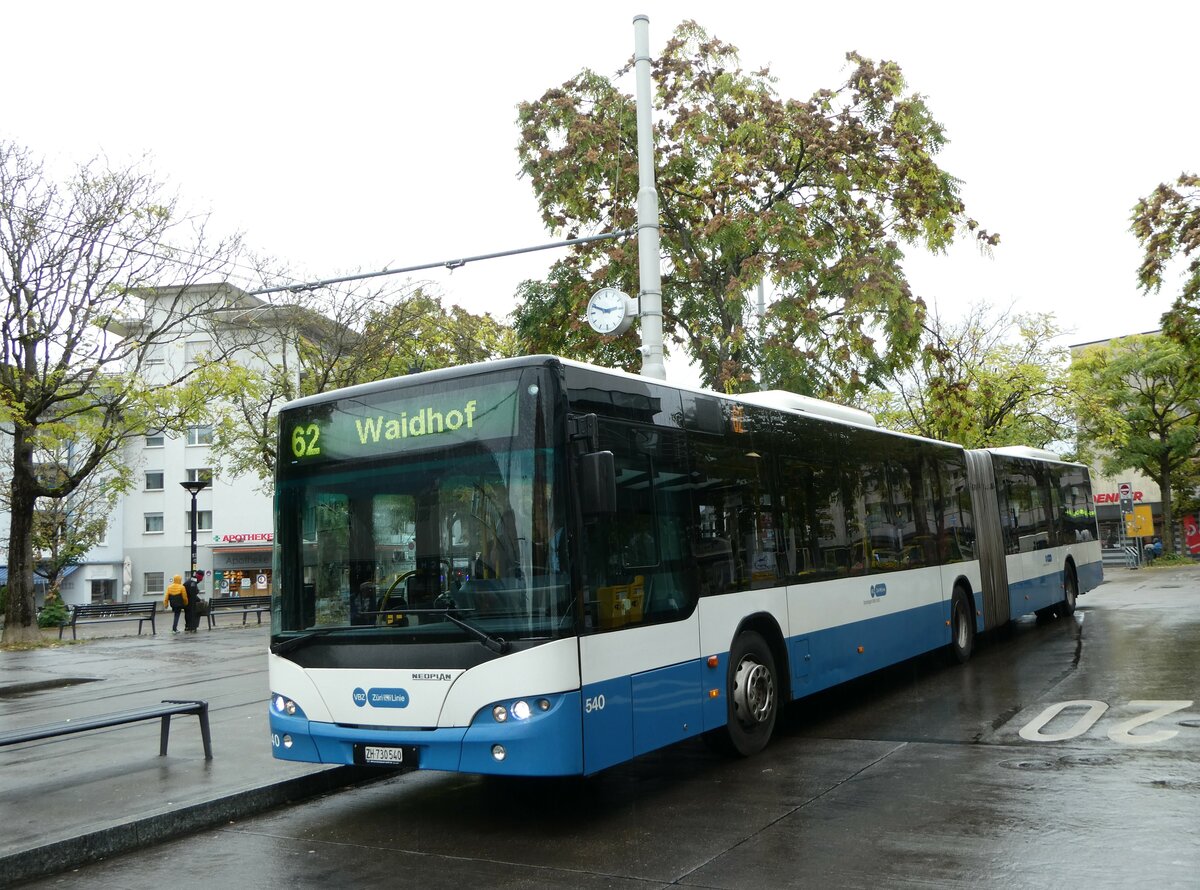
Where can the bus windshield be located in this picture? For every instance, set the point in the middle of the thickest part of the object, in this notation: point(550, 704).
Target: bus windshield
point(458, 541)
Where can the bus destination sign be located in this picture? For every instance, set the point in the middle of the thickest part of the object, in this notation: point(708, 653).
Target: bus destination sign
point(359, 427)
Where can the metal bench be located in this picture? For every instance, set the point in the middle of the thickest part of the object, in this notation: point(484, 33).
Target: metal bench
point(245, 605)
point(100, 613)
point(164, 711)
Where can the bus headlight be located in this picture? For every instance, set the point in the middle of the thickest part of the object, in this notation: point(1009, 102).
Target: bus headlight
point(521, 710)
point(500, 713)
point(284, 706)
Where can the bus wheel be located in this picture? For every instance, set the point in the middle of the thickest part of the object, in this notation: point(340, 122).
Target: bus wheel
point(753, 694)
point(962, 626)
point(1066, 608)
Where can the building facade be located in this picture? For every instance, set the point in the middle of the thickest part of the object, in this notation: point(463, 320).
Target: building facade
point(149, 534)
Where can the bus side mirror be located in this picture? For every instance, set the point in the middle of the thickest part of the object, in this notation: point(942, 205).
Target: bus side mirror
point(598, 483)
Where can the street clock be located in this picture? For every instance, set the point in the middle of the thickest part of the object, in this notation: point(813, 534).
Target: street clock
point(610, 311)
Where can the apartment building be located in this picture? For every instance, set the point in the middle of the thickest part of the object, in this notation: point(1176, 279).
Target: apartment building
point(149, 534)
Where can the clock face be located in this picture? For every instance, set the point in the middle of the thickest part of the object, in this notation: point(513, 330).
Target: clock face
point(608, 311)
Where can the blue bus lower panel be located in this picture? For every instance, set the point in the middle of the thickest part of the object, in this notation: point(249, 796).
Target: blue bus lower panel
point(547, 743)
point(1034, 594)
point(617, 719)
point(844, 653)
point(1091, 575)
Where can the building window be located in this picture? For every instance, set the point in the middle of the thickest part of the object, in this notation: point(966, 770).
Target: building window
point(200, 435)
point(195, 351)
point(154, 523)
point(154, 440)
point(203, 521)
point(200, 474)
point(154, 582)
point(104, 590)
point(154, 480)
point(154, 355)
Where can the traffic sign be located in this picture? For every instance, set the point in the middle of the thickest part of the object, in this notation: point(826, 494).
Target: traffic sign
point(1141, 523)
point(1125, 493)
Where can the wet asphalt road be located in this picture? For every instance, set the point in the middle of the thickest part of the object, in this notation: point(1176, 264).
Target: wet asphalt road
point(1066, 754)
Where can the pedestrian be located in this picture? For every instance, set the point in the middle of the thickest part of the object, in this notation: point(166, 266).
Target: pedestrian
point(176, 597)
point(191, 612)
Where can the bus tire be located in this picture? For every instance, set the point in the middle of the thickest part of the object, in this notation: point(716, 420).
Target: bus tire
point(962, 626)
point(753, 694)
point(1066, 608)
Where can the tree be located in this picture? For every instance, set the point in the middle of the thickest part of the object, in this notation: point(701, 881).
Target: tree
point(1167, 226)
point(815, 195)
point(989, 380)
point(1139, 403)
point(78, 327)
point(65, 529)
point(338, 338)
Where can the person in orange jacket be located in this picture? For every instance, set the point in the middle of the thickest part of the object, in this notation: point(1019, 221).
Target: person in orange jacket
point(176, 597)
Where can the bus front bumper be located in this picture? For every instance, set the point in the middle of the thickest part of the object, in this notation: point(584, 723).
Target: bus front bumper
point(546, 743)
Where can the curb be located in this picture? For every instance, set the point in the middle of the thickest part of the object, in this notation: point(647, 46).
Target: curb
point(64, 855)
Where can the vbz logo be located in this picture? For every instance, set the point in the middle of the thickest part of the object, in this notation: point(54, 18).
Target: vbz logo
point(360, 697)
point(878, 590)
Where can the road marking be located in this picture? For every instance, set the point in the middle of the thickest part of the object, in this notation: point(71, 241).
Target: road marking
point(1122, 733)
point(1032, 731)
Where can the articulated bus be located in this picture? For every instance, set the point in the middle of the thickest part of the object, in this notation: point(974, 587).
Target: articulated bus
point(538, 567)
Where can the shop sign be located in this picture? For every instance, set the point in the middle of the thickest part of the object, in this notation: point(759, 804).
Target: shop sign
point(245, 537)
point(1112, 497)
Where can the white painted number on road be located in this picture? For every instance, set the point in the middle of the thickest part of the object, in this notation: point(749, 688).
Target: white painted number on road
point(1032, 731)
point(1122, 732)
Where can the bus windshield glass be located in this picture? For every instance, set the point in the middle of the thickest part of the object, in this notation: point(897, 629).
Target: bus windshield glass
point(431, 535)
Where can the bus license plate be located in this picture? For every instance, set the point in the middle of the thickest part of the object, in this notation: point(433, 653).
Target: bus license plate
point(386, 755)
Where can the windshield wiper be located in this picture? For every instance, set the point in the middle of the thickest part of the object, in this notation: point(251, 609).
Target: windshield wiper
point(496, 644)
point(499, 645)
point(283, 647)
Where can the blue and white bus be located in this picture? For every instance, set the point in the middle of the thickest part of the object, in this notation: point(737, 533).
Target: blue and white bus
point(539, 567)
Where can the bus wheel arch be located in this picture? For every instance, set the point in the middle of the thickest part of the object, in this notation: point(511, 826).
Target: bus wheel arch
point(1066, 607)
point(755, 686)
point(962, 622)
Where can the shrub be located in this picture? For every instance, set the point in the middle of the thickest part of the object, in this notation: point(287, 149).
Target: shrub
point(53, 613)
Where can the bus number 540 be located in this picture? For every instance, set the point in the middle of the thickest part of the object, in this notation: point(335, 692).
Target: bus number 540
point(593, 703)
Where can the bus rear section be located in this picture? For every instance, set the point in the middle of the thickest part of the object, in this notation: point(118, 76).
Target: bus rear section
point(1040, 549)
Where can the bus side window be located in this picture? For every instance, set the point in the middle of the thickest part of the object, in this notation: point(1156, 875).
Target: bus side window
point(635, 560)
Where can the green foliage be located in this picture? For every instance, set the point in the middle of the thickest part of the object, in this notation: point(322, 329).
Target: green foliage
point(1167, 226)
point(815, 195)
point(990, 380)
point(1139, 407)
point(54, 612)
point(82, 259)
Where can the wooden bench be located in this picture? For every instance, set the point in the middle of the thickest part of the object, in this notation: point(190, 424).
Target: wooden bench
point(100, 613)
point(164, 712)
point(244, 605)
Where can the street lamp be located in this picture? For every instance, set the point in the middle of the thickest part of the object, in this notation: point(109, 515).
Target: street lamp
point(195, 488)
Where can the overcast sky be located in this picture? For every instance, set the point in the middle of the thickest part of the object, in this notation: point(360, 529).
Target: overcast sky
point(364, 136)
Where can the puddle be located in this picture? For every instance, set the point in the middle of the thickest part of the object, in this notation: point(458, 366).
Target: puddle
point(19, 690)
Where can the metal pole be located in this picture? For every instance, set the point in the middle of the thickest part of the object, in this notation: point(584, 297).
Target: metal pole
point(650, 280)
point(194, 534)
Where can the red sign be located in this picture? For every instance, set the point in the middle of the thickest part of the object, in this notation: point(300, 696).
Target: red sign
point(243, 537)
point(1111, 497)
point(1191, 534)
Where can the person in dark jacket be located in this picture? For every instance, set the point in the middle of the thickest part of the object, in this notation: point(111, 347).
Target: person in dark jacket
point(176, 597)
point(191, 617)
